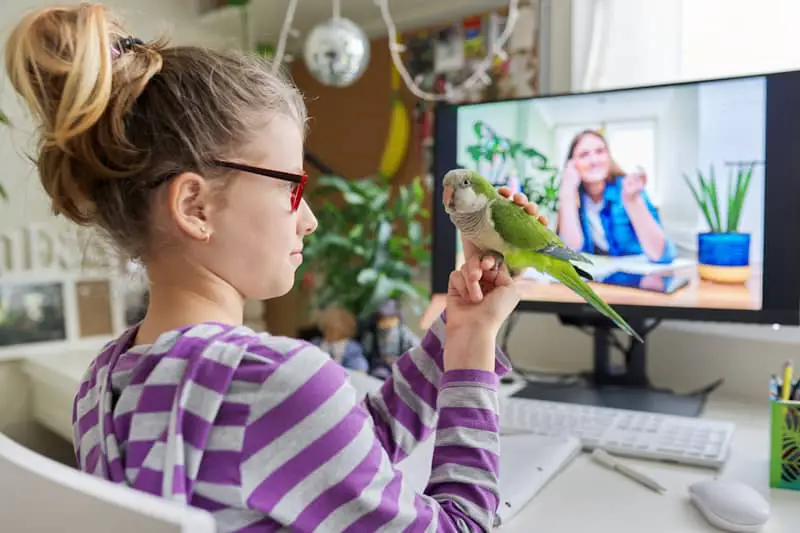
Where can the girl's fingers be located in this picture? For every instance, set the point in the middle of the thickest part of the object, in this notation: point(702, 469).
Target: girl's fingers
point(472, 273)
point(458, 284)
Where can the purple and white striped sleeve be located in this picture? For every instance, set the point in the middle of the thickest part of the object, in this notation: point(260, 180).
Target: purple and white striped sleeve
point(311, 460)
point(404, 408)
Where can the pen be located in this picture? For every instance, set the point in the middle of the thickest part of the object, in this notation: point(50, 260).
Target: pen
point(773, 387)
point(787, 381)
point(602, 457)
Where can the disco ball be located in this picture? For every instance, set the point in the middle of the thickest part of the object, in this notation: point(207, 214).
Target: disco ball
point(337, 52)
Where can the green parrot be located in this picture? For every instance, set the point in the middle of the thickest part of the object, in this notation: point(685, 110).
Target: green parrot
point(502, 229)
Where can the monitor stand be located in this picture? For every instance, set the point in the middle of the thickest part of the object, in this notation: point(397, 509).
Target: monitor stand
point(621, 388)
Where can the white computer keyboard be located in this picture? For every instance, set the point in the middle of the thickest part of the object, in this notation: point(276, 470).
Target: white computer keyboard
point(692, 441)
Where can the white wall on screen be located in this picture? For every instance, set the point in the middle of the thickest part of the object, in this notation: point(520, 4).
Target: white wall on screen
point(538, 132)
point(677, 153)
point(732, 128)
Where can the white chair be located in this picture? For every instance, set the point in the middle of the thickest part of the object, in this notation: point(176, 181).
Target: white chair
point(38, 494)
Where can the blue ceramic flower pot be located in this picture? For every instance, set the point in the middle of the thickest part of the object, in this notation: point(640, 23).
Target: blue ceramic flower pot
point(724, 257)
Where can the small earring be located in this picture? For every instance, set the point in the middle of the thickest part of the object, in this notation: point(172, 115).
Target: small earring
point(206, 234)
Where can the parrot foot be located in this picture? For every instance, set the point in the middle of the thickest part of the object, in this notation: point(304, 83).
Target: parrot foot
point(499, 259)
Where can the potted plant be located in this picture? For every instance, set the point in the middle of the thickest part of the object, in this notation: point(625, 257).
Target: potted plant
point(723, 251)
point(367, 246)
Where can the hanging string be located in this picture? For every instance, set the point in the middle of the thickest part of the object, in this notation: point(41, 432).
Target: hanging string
point(337, 9)
point(480, 75)
point(286, 29)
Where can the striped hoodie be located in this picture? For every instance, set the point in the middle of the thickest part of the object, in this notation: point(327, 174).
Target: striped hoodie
point(267, 433)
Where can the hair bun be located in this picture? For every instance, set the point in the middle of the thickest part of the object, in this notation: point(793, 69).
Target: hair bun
point(60, 60)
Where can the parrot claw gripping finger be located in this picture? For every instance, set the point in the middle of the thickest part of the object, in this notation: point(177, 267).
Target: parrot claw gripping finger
point(499, 259)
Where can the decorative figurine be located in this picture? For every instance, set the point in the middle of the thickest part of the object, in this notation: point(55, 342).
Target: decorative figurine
point(338, 327)
point(388, 339)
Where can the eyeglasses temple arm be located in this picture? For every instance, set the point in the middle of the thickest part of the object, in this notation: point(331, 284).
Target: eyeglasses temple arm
point(319, 164)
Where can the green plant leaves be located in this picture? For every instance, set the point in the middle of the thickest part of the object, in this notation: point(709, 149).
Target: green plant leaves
point(368, 243)
point(736, 199)
point(707, 198)
point(790, 457)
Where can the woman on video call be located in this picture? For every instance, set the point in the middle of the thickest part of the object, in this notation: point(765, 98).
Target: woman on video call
point(605, 211)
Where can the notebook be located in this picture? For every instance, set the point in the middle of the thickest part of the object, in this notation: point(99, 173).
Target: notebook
point(527, 463)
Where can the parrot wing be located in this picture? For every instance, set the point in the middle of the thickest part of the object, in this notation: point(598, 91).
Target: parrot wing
point(521, 230)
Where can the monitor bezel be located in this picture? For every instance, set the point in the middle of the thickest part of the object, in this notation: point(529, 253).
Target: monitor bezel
point(780, 300)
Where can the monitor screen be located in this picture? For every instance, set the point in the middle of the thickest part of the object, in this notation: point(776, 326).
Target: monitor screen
point(662, 188)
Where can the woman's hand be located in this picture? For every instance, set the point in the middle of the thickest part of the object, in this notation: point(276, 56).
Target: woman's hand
point(470, 250)
point(570, 178)
point(479, 298)
point(633, 184)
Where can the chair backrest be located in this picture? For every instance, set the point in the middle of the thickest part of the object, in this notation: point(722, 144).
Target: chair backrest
point(40, 494)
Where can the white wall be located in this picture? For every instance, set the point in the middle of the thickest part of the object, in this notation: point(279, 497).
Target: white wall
point(147, 19)
point(635, 42)
point(732, 128)
point(677, 153)
point(721, 38)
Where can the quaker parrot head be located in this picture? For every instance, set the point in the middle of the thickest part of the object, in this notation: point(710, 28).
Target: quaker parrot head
point(465, 191)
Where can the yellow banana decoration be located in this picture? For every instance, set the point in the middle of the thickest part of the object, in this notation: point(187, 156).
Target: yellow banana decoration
point(394, 151)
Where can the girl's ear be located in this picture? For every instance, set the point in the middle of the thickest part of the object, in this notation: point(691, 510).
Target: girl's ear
point(190, 205)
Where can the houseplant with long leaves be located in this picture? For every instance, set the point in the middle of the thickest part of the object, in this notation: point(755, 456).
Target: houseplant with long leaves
point(368, 245)
point(723, 251)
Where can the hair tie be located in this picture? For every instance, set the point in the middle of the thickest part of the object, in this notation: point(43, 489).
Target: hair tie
point(125, 44)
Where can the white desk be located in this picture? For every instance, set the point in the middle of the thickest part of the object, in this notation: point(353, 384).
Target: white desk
point(585, 498)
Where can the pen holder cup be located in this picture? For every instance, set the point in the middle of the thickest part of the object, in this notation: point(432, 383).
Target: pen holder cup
point(784, 446)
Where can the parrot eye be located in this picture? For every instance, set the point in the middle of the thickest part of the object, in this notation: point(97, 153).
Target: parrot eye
point(465, 183)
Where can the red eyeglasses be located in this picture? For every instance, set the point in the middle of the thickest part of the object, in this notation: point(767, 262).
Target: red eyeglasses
point(299, 180)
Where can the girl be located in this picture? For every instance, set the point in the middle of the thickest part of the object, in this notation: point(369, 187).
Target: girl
point(191, 160)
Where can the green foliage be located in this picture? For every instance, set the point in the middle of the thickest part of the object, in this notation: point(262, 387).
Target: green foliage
point(498, 158)
point(790, 446)
point(361, 253)
point(706, 195)
point(543, 193)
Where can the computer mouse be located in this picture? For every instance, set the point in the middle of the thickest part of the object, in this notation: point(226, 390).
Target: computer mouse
point(730, 505)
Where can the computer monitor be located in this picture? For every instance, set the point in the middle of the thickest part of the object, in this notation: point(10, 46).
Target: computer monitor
point(683, 196)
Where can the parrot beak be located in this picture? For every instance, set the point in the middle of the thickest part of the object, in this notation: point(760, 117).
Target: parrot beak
point(447, 197)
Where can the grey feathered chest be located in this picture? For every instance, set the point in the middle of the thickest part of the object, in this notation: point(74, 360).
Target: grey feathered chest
point(478, 228)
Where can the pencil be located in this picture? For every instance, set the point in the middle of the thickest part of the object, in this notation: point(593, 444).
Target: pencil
point(787, 381)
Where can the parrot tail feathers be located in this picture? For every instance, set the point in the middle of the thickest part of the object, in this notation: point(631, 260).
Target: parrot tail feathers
point(571, 279)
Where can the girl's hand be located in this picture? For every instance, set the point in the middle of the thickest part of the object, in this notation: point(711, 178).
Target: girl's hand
point(470, 250)
point(479, 299)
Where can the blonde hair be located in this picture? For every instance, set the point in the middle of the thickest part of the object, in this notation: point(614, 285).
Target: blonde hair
point(115, 121)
